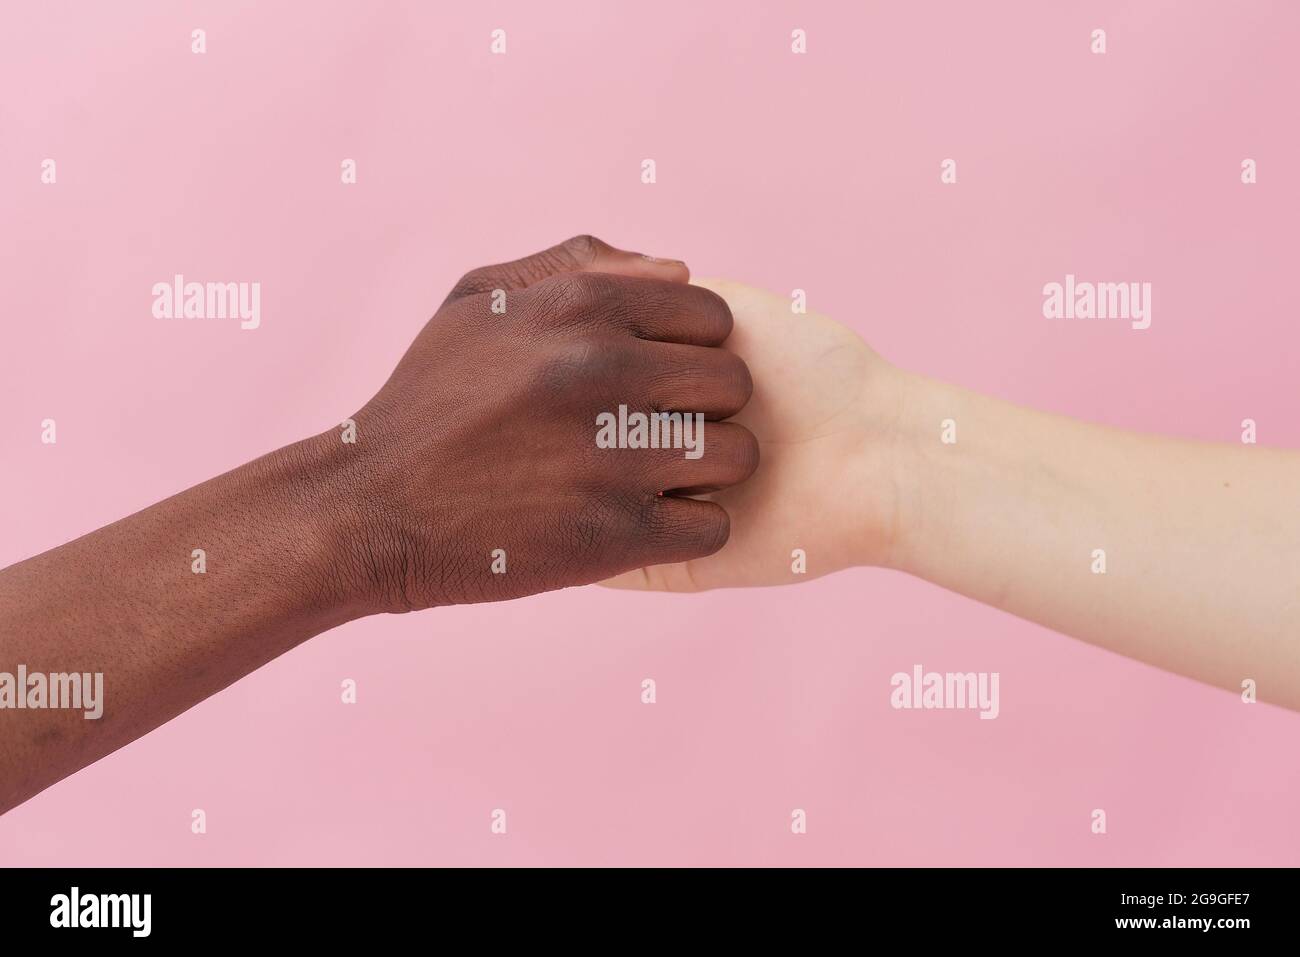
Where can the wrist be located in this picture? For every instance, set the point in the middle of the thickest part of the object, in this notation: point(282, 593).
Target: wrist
point(931, 469)
point(895, 468)
point(313, 496)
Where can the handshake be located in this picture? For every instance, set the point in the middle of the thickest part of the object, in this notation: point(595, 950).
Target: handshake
point(575, 416)
point(588, 415)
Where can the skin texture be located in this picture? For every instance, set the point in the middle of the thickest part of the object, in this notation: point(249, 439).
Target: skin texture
point(482, 439)
point(1202, 540)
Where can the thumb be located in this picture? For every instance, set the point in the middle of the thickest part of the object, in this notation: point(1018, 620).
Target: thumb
point(579, 254)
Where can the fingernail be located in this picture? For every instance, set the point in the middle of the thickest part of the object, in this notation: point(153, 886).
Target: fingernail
point(662, 262)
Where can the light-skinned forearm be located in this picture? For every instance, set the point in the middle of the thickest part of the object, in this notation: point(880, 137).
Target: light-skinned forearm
point(1201, 541)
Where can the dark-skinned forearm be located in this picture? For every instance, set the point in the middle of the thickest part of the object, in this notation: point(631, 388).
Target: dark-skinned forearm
point(126, 601)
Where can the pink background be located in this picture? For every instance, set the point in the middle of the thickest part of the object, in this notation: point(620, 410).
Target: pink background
point(819, 172)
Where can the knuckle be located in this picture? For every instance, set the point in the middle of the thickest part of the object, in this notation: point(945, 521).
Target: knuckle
point(583, 366)
point(473, 283)
point(574, 253)
point(584, 247)
point(580, 293)
point(562, 367)
point(747, 452)
point(716, 306)
point(733, 449)
point(714, 530)
point(702, 533)
point(646, 519)
point(739, 382)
